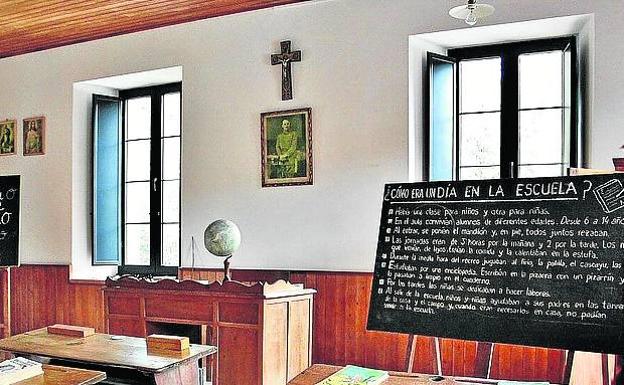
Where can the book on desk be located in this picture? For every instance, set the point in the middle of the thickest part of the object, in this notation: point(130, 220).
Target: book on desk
point(355, 375)
point(18, 369)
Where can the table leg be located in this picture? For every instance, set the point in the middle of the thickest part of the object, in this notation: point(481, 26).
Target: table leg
point(184, 374)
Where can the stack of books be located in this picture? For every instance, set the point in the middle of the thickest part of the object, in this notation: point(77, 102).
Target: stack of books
point(355, 375)
point(18, 369)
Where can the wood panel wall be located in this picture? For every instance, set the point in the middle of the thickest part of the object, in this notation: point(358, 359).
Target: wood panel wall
point(43, 295)
point(5, 308)
point(340, 335)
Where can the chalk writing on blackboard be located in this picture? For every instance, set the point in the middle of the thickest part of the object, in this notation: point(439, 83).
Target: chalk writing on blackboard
point(526, 261)
point(9, 220)
point(610, 195)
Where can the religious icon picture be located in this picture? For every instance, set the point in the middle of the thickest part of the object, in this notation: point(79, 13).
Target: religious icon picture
point(286, 138)
point(34, 136)
point(8, 136)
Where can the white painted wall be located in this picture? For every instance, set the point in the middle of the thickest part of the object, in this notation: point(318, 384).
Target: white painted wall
point(354, 75)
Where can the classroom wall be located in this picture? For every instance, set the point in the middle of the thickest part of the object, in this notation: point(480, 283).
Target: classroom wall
point(354, 75)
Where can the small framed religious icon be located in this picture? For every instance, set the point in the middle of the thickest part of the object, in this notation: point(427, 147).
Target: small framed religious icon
point(286, 138)
point(34, 136)
point(8, 137)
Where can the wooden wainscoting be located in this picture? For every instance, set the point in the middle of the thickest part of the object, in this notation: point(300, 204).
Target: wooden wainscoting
point(5, 308)
point(43, 295)
point(340, 336)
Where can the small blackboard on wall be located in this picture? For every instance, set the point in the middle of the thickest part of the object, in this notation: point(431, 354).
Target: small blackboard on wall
point(524, 261)
point(9, 220)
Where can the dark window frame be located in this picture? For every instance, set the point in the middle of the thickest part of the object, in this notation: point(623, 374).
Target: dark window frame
point(156, 94)
point(509, 53)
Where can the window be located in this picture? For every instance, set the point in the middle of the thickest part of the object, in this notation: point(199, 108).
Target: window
point(501, 111)
point(149, 180)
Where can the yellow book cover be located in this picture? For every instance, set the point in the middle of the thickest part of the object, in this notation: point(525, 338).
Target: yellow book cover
point(355, 375)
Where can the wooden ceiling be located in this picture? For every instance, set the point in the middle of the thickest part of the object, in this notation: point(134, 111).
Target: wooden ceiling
point(33, 25)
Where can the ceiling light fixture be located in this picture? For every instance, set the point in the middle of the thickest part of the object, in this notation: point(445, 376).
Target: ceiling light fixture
point(472, 12)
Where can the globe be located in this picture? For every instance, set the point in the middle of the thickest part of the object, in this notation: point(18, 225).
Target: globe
point(222, 238)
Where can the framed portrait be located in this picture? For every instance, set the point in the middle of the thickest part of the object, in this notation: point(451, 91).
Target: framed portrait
point(8, 137)
point(286, 138)
point(34, 136)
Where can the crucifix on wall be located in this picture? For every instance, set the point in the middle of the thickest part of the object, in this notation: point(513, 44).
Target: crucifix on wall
point(284, 58)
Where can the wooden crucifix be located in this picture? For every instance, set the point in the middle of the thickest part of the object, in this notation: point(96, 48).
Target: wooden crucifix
point(285, 57)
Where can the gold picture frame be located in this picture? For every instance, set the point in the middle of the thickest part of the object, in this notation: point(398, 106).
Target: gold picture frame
point(8, 137)
point(286, 141)
point(33, 136)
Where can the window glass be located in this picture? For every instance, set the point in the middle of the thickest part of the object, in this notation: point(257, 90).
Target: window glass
point(171, 114)
point(541, 139)
point(541, 79)
point(480, 139)
point(170, 225)
point(138, 123)
point(479, 118)
point(137, 245)
point(480, 88)
point(138, 160)
point(171, 201)
point(137, 202)
point(171, 244)
point(152, 180)
point(171, 158)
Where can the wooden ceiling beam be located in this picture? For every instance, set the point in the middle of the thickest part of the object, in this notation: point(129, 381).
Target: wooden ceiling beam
point(97, 27)
point(73, 21)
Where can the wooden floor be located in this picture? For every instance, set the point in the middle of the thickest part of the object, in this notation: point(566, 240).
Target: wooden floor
point(43, 295)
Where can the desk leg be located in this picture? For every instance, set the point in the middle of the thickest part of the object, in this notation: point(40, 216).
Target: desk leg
point(185, 374)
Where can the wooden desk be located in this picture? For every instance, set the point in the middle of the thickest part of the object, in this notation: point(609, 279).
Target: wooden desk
point(263, 331)
point(122, 359)
point(317, 373)
point(58, 375)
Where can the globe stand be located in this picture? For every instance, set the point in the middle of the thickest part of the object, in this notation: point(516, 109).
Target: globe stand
point(226, 269)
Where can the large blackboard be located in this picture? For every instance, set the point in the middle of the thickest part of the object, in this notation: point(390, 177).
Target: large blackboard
point(9, 220)
point(525, 261)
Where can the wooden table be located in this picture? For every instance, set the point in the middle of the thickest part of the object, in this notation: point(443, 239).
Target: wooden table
point(124, 359)
point(317, 373)
point(59, 375)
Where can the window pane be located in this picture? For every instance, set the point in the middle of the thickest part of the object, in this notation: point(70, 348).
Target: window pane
point(171, 158)
point(540, 136)
point(138, 160)
point(139, 114)
point(536, 171)
point(171, 114)
point(137, 245)
point(475, 173)
point(480, 85)
point(137, 202)
point(480, 139)
point(171, 244)
point(171, 201)
point(540, 76)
